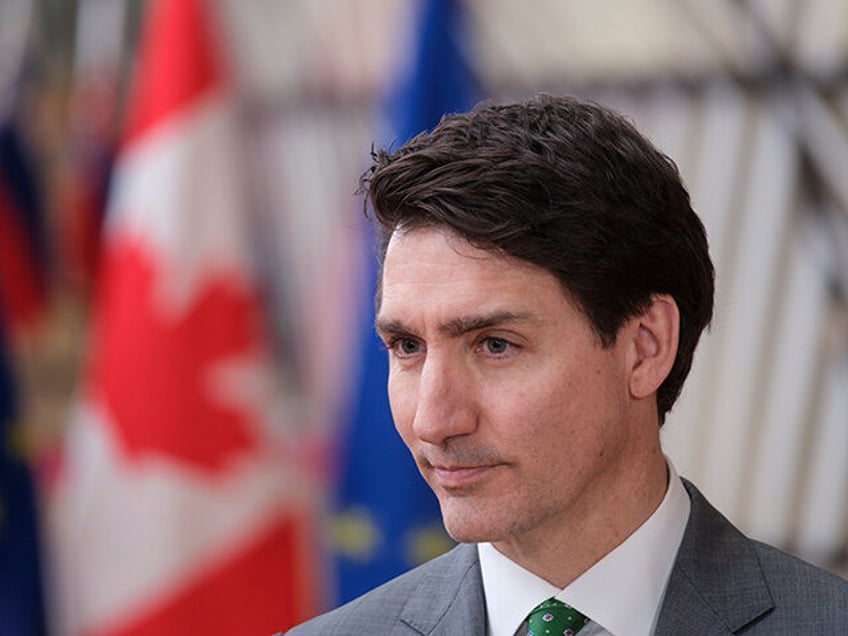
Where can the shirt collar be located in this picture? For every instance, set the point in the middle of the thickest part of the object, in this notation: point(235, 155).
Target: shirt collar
point(510, 590)
point(622, 592)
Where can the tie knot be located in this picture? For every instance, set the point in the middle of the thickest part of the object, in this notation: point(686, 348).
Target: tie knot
point(554, 618)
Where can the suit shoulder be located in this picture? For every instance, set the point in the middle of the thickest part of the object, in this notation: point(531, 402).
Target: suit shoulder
point(800, 589)
point(754, 588)
point(380, 609)
point(784, 570)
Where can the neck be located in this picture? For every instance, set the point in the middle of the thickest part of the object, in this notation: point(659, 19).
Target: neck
point(603, 516)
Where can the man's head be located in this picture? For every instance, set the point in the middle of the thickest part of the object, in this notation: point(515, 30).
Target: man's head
point(570, 187)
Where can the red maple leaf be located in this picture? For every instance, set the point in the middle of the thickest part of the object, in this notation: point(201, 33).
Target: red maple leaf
point(152, 371)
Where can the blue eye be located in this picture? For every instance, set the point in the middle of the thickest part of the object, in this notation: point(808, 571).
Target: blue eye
point(404, 347)
point(497, 346)
point(408, 346)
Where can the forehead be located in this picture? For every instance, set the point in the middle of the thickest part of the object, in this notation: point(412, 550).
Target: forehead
point(434, 268)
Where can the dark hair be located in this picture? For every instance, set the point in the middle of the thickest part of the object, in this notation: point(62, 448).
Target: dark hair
point(569, 186)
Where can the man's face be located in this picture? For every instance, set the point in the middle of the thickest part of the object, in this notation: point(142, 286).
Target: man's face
point(499, 387)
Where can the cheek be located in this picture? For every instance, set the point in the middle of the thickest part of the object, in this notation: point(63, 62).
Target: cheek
point(536, 398)
point(554, 408)
point(402, 404)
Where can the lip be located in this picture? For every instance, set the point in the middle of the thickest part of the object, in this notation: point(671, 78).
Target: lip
point(460, 476)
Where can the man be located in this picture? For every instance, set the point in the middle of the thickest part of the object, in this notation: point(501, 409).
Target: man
point(544, 285)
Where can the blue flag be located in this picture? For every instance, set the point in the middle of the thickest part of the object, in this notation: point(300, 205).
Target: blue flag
point(21, 599)
point(23, 253)
point(388, 518)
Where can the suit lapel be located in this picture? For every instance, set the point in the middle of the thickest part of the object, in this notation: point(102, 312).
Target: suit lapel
point(450, 598)
point(716, 585)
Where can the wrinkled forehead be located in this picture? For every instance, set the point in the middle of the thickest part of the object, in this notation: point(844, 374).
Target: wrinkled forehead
point(406, 250)
point(472, 255)
point(457, 242)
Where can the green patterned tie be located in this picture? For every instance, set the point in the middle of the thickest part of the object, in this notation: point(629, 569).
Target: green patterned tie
point(554, 618)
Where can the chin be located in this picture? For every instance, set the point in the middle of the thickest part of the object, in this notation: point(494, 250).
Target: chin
point(468, 524)
point(465, 534)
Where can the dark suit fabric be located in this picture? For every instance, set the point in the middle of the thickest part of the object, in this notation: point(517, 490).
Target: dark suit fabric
point(721, 583)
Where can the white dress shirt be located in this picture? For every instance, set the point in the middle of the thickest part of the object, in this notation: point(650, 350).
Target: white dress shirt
point(621, 594)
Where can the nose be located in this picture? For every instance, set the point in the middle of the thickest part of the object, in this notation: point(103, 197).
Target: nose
point(444, 406)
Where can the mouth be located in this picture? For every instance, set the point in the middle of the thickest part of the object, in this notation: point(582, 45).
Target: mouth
point(452, 477)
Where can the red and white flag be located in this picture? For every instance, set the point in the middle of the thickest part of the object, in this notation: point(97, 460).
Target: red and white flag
point(185, 502)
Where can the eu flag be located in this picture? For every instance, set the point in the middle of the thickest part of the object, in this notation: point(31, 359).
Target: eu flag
point(22, 297)
point(21, 600)
point(388, 519)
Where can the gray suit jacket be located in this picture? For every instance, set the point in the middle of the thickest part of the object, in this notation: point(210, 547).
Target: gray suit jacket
point(721, 583)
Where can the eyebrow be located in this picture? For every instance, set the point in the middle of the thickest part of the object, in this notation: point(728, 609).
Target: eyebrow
point(461, 325)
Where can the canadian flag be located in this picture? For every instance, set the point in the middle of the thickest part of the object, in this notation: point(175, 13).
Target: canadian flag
point(186, 502)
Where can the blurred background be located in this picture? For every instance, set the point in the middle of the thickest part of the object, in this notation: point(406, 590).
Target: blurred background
point(191, 398)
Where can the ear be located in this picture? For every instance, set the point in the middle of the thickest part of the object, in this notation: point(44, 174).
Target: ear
point(654, 337)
